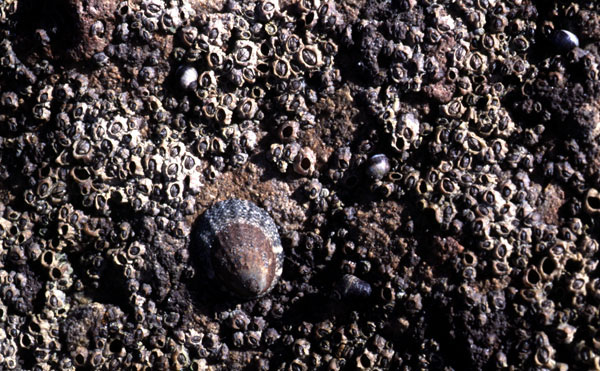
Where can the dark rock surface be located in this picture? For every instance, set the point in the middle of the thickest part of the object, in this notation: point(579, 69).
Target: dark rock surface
point(475, 246)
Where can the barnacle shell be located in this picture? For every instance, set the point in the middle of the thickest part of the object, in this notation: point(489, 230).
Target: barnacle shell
point(239, 245)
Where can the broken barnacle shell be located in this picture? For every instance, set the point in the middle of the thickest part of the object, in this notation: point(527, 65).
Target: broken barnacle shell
point(366, 360)
point(10, 100)
point(343, 156)
point(592, 202)
point(215, 57)
point(288, 131)
point(304, 163)
point(384, 189)
point(223, 115)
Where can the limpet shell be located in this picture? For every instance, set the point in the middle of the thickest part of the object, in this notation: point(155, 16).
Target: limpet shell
point(239, 246)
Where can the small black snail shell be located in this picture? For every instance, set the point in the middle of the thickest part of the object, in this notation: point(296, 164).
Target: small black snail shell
point(351, 286)
point(187, 77)
point(564, 40)
point(240, 247)
point(378, 166)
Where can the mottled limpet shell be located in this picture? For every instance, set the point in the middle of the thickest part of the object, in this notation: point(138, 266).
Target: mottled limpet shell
point(239, 246)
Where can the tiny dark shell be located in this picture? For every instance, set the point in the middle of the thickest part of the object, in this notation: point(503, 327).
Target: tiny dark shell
point(378, 166)
point(240, 247)
point(351, 286)
point(187, 77)
point(564, 40)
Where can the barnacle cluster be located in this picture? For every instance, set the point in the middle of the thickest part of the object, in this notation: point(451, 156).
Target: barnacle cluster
point(431, 166)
